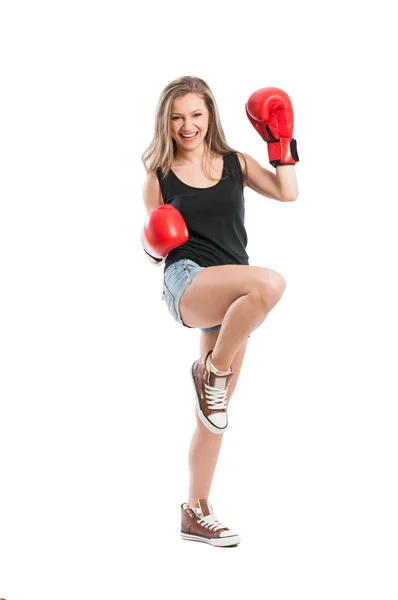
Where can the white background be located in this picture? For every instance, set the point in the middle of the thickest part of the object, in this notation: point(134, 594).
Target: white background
point(97, 408)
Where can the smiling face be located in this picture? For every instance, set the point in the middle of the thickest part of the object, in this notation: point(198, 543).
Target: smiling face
point(189, 121)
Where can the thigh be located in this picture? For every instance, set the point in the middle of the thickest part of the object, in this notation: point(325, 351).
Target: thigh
point(208, 297)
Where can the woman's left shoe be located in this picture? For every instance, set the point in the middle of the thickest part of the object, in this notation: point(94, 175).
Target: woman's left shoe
point(200, 524)
point(211, 388)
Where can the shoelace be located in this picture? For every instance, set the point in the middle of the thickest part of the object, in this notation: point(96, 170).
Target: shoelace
point(216, 399)
point(211, 522)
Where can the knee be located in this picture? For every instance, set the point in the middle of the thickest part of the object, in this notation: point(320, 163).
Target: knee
point(269, 291)
point(278, 284)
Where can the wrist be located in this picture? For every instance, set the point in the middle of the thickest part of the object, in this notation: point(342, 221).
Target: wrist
point(154, 259)
point(283, 152)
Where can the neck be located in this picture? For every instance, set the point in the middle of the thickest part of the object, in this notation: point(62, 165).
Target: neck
point(192, 157)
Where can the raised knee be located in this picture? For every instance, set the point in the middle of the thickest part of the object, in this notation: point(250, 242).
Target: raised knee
point(268, 292)
point(278, 283)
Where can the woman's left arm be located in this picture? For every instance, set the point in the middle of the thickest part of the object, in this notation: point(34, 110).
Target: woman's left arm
point(281, 185)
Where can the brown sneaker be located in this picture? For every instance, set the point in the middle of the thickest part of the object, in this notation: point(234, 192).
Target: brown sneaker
point(211, 393)
point(201, 525)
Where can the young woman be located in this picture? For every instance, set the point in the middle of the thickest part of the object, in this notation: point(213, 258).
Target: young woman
point(208, 283)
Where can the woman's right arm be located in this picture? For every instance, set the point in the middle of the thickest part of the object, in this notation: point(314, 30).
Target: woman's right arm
point(151, 193)
point(152, 196)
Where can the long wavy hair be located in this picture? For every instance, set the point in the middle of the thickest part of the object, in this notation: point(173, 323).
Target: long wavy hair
point(161, 150)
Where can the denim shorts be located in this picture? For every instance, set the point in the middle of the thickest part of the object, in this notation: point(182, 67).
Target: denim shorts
point(176, 279)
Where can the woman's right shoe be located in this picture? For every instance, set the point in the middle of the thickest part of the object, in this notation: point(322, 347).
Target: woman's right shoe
point(211, 388)
point(199, 524)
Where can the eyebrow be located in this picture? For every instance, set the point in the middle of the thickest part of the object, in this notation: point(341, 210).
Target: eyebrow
point(194, 111)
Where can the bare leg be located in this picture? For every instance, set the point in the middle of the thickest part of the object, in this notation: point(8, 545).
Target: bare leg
point(205, 445)
point(241, 319)
point(238, 296)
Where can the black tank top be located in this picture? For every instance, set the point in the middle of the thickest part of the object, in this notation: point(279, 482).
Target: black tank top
point(214, 217)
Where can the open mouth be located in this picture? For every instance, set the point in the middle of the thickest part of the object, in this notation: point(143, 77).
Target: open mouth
point(189, 138)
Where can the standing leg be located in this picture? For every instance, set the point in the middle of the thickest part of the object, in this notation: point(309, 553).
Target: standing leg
point(205, 445)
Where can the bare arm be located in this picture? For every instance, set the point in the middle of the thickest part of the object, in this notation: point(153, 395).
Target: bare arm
point(281, 186)
point(152, 196)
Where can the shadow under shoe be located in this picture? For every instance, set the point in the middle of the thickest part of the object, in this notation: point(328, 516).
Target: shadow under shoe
point(211, 394)
point(201, 525)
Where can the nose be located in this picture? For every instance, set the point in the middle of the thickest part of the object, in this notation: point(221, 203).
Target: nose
point(187, 126)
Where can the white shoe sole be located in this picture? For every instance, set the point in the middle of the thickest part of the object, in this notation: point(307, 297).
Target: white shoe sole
point(202, 417)
point(232, 540)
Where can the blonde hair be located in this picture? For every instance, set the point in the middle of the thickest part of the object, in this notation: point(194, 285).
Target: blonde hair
point(161, 150)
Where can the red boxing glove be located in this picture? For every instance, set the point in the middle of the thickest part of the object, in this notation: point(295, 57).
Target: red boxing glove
point(270, 112)
point(164, 229)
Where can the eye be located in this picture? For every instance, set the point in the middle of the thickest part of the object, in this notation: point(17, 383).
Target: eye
point(177, 117)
